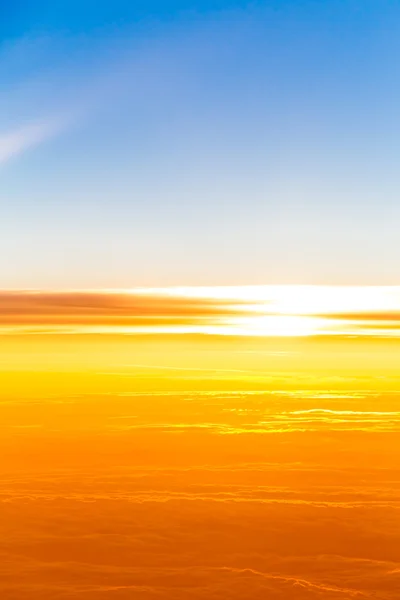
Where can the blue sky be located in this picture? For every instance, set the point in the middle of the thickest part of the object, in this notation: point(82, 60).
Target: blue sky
point(199, 143)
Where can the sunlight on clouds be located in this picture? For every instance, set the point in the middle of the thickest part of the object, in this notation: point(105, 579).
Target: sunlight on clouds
point(280, 326)
point(215, 466)
point(264, 311)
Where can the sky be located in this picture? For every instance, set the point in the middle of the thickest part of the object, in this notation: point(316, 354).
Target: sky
point(199, 143)
point(262, 311)
point(199, 300)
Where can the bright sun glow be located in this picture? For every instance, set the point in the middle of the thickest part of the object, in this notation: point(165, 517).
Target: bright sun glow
point(296, 299)
point(265, 311)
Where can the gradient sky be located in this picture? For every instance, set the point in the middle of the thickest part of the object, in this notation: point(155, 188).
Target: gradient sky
point(199, 143)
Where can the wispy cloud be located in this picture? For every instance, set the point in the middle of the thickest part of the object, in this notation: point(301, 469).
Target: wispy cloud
point(17, 141)
point(173, 310)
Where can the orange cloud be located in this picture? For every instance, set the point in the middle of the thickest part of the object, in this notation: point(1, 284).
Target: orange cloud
point(264, 311)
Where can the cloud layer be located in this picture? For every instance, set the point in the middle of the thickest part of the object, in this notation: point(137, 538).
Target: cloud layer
point(88, 511)
point(263, 311)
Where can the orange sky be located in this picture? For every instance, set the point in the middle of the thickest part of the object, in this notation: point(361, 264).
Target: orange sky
point(265, 311)
point(162, 443)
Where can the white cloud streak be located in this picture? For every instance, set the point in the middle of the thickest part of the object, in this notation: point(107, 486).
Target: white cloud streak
point(17, 141)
